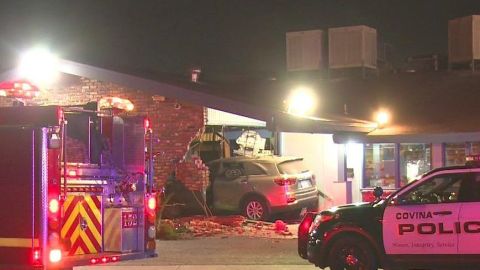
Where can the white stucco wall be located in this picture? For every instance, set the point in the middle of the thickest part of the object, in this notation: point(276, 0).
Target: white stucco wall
point(320, 154)
point(354, 154)
point(437, 155)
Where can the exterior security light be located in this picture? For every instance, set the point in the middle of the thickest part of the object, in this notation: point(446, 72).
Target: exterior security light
point(39, 66)
point(301, 101)
point(382, 117)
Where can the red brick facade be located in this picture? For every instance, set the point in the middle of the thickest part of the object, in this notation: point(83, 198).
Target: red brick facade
point(174, 124)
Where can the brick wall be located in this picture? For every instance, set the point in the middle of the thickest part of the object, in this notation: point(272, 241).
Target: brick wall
point(174, 123)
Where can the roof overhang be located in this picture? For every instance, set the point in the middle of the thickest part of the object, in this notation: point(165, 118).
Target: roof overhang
point(285, 122)
point(459, 137)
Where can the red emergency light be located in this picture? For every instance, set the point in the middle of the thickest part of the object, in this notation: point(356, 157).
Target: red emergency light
point(53, 206)
point(152, 203)
point(72, 173)
point(37, 256)
point(116, 103)
point(146, 123)
point(18, 89)
point(104, 259)
point(55, 255)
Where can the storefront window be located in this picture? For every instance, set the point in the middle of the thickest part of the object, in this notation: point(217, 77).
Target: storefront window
point(415, 159)
point(455, 153)
point(380, 165)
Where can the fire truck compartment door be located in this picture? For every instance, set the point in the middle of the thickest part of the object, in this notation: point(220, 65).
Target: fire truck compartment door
point(122, 229)
point(20, 185)
point(82, 226)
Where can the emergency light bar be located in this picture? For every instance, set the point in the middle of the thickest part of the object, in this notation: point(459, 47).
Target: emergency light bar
point(472, 160)
point(116, 103)
point(104, 259)
point(18, 89)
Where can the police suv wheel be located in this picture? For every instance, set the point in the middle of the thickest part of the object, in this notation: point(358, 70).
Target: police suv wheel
point(351, 253)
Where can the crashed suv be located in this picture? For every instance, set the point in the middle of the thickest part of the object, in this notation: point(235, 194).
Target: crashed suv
point(259, 187)
point(433, 222)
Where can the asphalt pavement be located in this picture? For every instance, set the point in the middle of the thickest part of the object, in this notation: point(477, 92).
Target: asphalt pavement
point(217, 253)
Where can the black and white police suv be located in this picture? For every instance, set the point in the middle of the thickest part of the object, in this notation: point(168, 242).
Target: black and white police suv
point(433, 222)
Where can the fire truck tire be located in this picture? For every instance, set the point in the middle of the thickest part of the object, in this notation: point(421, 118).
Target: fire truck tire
point(350, 252)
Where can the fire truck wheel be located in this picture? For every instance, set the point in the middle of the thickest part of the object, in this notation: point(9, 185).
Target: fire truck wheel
point(352, 253)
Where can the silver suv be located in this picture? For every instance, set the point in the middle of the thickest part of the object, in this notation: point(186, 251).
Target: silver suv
point(258, 187)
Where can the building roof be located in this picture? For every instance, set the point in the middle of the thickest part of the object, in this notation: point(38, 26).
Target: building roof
point(429, 107)
point(216, 97)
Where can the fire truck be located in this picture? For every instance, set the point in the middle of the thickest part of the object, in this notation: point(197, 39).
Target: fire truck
point(76, 186)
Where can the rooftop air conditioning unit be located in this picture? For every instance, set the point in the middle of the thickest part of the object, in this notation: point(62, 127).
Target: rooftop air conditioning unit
point(352, 47)
point(304, 50)
point(464, 39)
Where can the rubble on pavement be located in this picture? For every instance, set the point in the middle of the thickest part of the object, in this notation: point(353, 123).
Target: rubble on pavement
point(227, 226)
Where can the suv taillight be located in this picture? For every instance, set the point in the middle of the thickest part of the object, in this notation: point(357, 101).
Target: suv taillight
point(285, 181)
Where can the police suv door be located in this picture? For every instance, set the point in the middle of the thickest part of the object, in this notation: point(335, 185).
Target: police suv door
point(469, 238)
point(422, 220)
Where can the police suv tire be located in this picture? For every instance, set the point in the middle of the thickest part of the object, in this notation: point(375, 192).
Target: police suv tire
point(252, 206)
point(350, 253)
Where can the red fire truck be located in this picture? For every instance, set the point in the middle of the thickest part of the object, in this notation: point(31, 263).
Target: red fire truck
point(76, 187)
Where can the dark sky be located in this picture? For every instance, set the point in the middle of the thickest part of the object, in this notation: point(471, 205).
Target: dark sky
point(224, 37)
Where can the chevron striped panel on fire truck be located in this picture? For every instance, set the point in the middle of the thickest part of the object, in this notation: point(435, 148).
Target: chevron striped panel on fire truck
point(82, 224)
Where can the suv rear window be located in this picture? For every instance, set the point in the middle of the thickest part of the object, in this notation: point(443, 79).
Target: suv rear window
point(292, 167)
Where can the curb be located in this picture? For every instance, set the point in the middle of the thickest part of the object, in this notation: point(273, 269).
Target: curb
point(200, 267)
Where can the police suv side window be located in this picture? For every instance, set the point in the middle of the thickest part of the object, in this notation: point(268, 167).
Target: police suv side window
point(470, 190)
point(439, 189)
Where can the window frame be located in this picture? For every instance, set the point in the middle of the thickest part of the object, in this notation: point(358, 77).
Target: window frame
point(224, 169)
point(467, 147)
point(394, 199)
point(452, 181)
point(396, 160)
point(255, 165)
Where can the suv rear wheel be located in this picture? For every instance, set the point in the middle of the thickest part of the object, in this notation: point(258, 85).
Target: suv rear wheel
point(351, 253)
point(255, 209)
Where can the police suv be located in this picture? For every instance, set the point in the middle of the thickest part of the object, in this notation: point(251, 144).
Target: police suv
point(433, 222)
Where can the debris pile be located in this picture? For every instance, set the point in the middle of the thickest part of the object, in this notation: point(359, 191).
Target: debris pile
point(226, 226)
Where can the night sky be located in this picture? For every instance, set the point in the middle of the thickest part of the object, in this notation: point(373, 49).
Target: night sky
point(224, 38)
